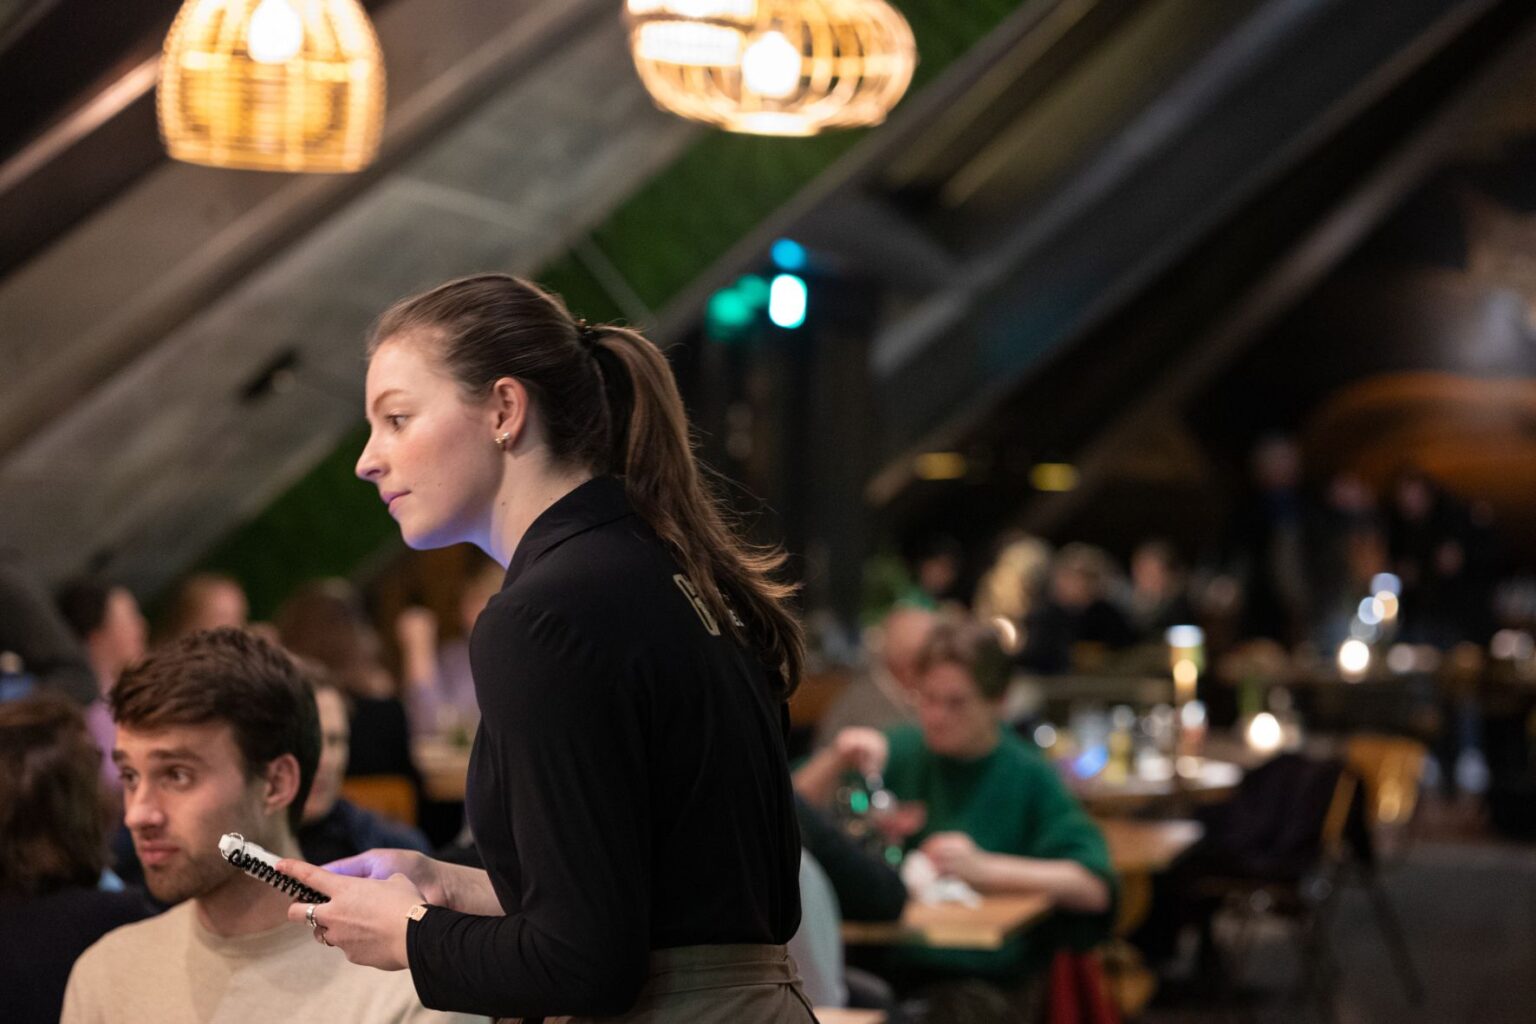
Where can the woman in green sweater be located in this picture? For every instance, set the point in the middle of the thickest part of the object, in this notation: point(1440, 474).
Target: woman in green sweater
point(998, 816)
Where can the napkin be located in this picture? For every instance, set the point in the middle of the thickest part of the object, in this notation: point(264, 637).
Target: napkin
point(926, 885)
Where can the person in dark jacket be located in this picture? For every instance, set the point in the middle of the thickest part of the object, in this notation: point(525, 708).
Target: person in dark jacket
point(628, 790)
point(35, 642)
point(1078, 613)
point(53, 851)
point(334, 828)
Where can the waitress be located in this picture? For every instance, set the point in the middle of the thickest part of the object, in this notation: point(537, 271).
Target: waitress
point(628, 790)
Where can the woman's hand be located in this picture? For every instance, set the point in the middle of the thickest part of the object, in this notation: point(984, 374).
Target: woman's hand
point(854, 749)
point(956, 855)
point(366, 918)
point(454, 886)
point(422, 871)
point(862, 750)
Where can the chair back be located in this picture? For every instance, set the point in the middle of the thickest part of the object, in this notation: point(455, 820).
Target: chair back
point(1288, 816)
point(392, 796)
point(1391, 767)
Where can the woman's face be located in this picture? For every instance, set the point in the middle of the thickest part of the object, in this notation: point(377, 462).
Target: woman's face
point(432, 455)
point(335, 747)
point(123, 629)
point(957, 721)
point(218, 604)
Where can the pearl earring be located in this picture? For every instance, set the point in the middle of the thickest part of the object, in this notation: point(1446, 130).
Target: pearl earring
point(503, 440)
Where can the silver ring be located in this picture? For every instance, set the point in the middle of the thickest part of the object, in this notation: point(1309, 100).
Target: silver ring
point(309, 915)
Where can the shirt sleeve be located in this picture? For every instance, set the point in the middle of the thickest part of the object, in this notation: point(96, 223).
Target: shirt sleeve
point(1063, 830)
point(80, 1004)
point(867, 889)
point(567, 730)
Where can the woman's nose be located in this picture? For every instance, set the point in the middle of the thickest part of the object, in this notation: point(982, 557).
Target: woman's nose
point(368, 464)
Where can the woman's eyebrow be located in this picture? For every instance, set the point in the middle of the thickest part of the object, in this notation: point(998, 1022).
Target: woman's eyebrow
point(383, 395)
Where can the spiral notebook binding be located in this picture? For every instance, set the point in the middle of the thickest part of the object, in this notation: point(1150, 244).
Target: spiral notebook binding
point(252, 864)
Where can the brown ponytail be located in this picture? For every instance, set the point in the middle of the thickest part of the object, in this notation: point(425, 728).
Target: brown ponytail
point(608, 402)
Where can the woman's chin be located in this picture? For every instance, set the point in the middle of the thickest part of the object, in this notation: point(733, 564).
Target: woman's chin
point(428, 539)
point(418, 539)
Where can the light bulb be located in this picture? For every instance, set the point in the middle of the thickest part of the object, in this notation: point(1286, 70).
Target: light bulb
point(787, 300)
point(771, 66)
point(1264, 733)
point(1371, 611)
point(1354, 658)
point(1007, 633)
point(276, 34)
point(1184, 637)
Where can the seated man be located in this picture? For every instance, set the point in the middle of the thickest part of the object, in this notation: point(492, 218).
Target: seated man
point(882, 694)
point(218, 733)
point(998, 817)
point(333, 827)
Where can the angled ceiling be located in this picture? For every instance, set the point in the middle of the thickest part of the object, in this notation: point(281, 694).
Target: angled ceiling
point(186, 349)
point(178, 345)
point(1058, 258)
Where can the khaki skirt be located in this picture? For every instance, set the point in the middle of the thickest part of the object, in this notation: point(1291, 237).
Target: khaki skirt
point(742, 984)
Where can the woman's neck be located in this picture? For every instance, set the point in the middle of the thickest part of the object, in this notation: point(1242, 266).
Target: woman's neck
point(520, 502)
point(981, 745)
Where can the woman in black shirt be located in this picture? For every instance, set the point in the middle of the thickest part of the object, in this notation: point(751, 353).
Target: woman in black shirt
point(628, 790)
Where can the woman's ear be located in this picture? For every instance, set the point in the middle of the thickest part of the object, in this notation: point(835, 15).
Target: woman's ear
point(509, 410)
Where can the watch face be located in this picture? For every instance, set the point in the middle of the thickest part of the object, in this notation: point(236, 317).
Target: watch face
point(418, 912)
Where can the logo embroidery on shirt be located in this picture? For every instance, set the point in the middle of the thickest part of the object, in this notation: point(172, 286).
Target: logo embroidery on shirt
point(692, 594)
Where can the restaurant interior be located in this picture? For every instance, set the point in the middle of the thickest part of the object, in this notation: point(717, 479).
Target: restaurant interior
point(1182, 351)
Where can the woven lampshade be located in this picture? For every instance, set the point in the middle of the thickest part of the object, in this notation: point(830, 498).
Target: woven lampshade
point(272, 85)
point(773, 67)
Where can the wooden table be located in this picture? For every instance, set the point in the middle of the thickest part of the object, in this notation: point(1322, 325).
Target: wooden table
point(1212, 780)
point(444, 768)
point(1138, 850)
point(952, 925)
point(1147, 847)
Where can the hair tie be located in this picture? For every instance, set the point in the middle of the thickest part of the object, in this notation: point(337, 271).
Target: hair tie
point(588, 335)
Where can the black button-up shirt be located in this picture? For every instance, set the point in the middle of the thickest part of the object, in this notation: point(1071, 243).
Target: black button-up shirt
point(628, 789)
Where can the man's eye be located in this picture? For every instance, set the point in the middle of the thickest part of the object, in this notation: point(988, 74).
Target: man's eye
point(179, 776)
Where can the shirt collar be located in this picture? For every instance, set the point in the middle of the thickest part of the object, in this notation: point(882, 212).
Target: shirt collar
point(598, 501)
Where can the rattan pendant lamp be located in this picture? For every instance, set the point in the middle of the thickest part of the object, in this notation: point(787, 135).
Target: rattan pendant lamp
point(272, 85)
point(773, 67)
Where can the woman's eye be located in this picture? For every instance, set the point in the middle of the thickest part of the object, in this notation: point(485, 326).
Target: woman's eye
point(394, 421)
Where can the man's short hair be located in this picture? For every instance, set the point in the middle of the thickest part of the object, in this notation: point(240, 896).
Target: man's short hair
point(972, 646)
point(229, 676)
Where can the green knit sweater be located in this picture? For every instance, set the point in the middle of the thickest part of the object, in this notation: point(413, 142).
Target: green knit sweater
point(1008, 801)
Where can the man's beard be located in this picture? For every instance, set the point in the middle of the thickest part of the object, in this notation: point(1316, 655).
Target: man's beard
point(187, 877)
